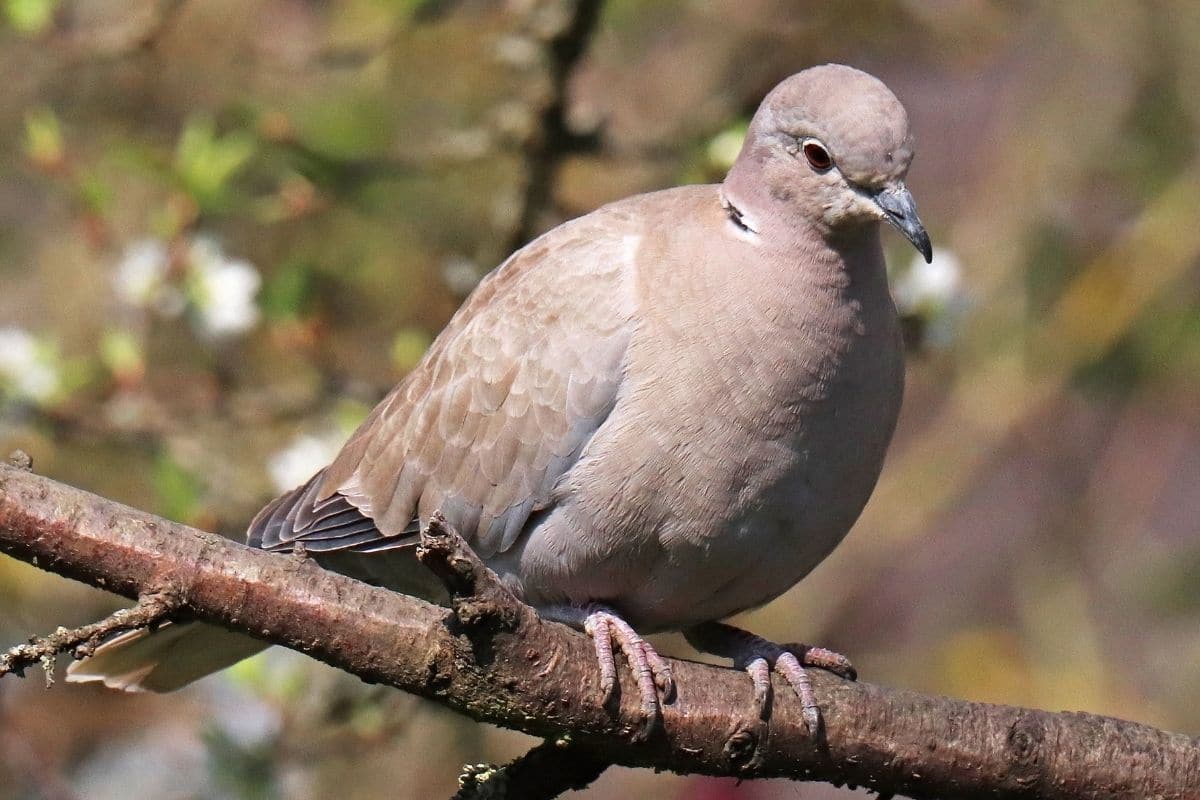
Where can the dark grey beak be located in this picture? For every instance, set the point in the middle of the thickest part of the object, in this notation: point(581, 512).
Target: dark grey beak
point(901, 210)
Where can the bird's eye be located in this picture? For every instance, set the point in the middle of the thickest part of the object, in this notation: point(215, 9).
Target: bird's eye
point(818, 157)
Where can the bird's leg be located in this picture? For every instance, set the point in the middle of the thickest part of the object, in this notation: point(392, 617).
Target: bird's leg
point(758, 657)
point(607, 628)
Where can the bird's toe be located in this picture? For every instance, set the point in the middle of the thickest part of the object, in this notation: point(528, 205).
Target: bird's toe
point(758, 657)
point(609, 633)
point(821, 658)
point(650, 670)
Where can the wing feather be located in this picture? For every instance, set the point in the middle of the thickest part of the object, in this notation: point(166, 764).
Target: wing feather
point(500, 408)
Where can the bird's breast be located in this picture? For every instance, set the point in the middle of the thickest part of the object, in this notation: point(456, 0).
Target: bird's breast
point(748, 433)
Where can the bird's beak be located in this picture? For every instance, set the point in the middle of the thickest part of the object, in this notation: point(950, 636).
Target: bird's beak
point(900, 209)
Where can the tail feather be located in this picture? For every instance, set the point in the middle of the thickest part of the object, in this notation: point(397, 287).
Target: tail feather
point(165, 659)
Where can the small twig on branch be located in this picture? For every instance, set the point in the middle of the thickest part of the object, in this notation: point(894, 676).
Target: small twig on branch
point(19, 459)
point(477, 597)
point(545, 772)
point(150, 610)
point(498, 662)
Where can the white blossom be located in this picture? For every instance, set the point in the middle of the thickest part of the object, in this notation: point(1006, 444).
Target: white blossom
point(221, 289)
point(218, 291)
point(140, 279)
point(934, 292)
point(299, 460)
point(28, 370)
point(461, 275)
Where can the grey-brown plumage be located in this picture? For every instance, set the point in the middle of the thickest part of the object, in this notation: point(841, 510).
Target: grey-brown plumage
point(668, 410)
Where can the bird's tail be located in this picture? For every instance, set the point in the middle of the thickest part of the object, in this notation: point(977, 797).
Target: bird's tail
point(164, 659)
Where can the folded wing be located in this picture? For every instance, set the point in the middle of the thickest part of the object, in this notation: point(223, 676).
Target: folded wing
point(500, 408)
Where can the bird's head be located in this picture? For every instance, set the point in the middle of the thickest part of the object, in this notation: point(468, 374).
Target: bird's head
point(833, 144)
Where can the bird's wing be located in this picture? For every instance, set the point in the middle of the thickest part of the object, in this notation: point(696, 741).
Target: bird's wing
point(498, 410)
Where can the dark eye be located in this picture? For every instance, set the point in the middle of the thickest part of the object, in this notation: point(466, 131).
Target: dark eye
point(818, 157)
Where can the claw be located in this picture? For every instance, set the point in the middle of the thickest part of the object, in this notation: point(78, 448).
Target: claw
point(651, 671)
point(790, 667)
point(663, 678)
point(655, 683)
point(760, 674)
point(598, 627)
point(824, 659)
point(758, 657)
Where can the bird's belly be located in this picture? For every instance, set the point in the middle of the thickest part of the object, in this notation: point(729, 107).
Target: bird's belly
point(685, 568)
point(744, 564)
point(676, 530)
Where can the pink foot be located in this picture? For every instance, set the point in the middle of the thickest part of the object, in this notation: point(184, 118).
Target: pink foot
point(651, 670)
point(758, 657)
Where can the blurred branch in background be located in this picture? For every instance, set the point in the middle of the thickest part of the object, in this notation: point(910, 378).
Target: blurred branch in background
point(1095, 309)
point(559, 30)
point(495, 660)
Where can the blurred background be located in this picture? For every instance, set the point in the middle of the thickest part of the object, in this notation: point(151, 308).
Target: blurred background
point(228, 227)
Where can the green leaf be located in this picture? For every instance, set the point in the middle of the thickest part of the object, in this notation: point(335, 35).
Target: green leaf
point(178, 490)
point(243, 770)
point(30, 17)
point(95, 194)
point(121, 352)
point(43, 137)
point(408, 347)
point(287, 292)
point(206, 163)
point(349, 414)
point(722, 150)
point(346, 128)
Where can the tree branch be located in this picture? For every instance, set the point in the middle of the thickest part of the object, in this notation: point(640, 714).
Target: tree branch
point(494, 660)
point(546, 771)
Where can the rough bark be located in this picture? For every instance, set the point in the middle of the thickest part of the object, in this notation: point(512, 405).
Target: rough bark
point(494, 660)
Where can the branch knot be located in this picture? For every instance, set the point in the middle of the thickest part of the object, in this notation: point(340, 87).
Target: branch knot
point(19, 459)
point(478, 599)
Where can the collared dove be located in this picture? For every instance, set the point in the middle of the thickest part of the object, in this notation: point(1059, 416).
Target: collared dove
point(652, 417)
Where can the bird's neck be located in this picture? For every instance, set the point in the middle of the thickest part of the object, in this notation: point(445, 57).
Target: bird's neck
point(771, 211)
point(779, 223)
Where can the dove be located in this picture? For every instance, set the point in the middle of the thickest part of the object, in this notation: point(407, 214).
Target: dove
point(653, 417)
